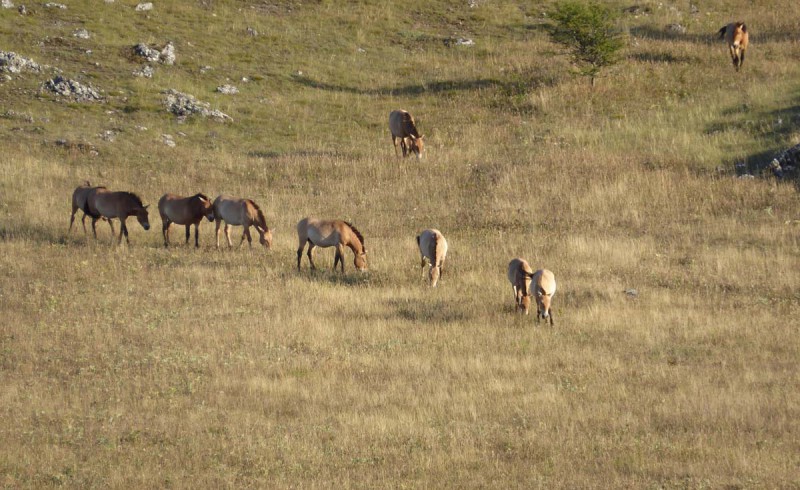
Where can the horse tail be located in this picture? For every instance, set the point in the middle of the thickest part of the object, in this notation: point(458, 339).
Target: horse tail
point(721, 32)
point(435, 249)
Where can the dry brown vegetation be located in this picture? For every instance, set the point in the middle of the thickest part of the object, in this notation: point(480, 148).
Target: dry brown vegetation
point(140, 367)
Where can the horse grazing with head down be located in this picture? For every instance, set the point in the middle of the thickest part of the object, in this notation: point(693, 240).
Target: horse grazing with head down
point(519, 275)
point(79, 197)
point(737, 38)
point(184, 211)
point(331, 233)
point(241, 212)
point(103, 203)
point(432, 246)
point(401, 125)
point(544, 287)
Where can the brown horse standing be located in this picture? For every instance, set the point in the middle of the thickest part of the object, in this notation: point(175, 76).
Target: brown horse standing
point(79, 197)
point(242, 212)
point(401, 125)
point(737, 38)
point(331, 233)
point(102, 202)
point(184, 211)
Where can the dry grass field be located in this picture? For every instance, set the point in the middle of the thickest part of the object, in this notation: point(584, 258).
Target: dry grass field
point(146, 367)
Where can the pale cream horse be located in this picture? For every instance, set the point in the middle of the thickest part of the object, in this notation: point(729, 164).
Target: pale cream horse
point(103, 203)
point(331, 233)
point(186, 211)
point(79, 197)
point(433, 247)
point(519, 275)
point(241, 212)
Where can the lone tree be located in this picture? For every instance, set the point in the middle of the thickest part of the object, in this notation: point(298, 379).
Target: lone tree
point(588, 30)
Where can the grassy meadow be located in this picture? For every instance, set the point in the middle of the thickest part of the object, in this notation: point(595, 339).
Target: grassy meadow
point(146, 367)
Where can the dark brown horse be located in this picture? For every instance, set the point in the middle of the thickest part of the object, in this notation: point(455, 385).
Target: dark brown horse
point(103, 203)
point(79, 196)
point(184, 211)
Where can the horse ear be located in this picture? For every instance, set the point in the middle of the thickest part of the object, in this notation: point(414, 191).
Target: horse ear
point(145, 207)
point(421, 136)
point(744, 27)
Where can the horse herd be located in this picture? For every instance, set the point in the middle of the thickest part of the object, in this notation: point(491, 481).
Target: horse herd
point(100, 203)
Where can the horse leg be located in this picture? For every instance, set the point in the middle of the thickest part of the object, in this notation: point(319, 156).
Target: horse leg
point(246, 234)
point(300, 254)
point(422, 266)
point(188, 233)
point(123, 230)
point(111, 224)
point(228, 235)
point(741, 57)
point(551, 317)
point(403, 146)
point(340, 251)
point(165, 231)
point(216, 231)
point(94, 227)
point(196, 234)
point(83, 223)
point(336, 258)
point(72, 219)
point(394, 143)
point(308, 253)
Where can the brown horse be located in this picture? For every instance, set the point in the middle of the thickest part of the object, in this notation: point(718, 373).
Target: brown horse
point(102, 202)
point(737, 38)
point(401, 125)
point(519, 275)
point(184, 211)
point(432, 246)
point(241, 212)
point(331, 233)
point(79, 196)
point(544, 286)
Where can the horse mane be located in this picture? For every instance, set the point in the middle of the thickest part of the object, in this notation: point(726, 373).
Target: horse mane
point(262, 220)
point(358, 234)
point(408, 122)
point(435, 249)
point(136, 199)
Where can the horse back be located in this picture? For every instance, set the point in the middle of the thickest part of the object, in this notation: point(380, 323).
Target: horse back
point(401, 124)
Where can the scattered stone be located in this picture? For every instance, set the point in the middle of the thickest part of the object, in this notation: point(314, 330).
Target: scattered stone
point(109, 1)
point(6, 4)
point(252, 32)
point(637, 10)
point(204, 69)
point(78, 147)
point(633, 293)
point(167, 140)
point(472, 3)
point(72, 89)
point(12, 114)
point(693, 9)
point(144, 7)
point(786, 162)
point(676, 28)
point(108, 135)
point(227, 89)
point(53, 5)
point(22, 10)
point(245, 80)
point(165, 55)
point(183, 105)
point(140, 128)
point(362, 50)
point(464, 42)
point(11, 62)
point(146, 71)
point(747, 176)
point(81, 34)
point(168, 54)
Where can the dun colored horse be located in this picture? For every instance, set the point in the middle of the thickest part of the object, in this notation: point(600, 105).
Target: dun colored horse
point(401, 125)
point(331, 233)
point(241, 212)
point(103, 203)
point(544, 285)
point(737, 38)
point(184, 211)
point(519, 275)
point(79, 197)
point(432, 246)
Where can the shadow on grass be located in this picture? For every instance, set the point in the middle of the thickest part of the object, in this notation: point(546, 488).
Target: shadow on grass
point(272, 154)
point(653, 57)
point(351, 276)
point(432, 310)
point(662, 34)
point(435, 87)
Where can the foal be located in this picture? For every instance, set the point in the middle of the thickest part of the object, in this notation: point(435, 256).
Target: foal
point(184, 211)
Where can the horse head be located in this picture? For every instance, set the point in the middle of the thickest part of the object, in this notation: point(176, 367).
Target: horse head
point(417, 145)
point(206, 206)
point(265, 237)
point(543, 302)
point(142, 217)
point(360, 260)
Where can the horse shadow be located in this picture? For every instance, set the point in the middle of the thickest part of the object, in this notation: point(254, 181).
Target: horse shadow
point(656, 34)
point(432, 310)
point(655, 57)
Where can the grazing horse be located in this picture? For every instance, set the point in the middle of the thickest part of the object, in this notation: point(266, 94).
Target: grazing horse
point(241, 212)
point(103, 203)
point(432, 246)
point(79, 196)
point(544, 285)
point(184, 211)
point(737, 38)
point(519, 275)
point(331, 233)
point(402, 126)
